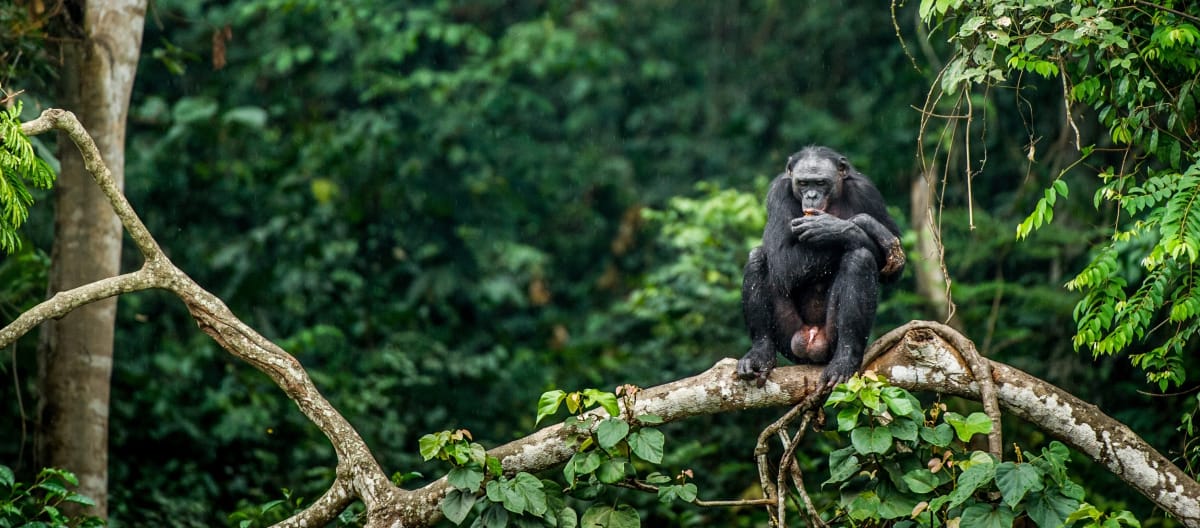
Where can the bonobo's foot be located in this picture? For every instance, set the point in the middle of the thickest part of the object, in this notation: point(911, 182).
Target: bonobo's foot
point(838, 371)
point(757, 364)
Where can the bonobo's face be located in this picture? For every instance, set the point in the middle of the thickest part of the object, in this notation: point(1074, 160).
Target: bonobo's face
point(816, 179)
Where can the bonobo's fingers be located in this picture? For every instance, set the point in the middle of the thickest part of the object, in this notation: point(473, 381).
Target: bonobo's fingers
point(756, 365)
point(823, 229)
point(837, 372)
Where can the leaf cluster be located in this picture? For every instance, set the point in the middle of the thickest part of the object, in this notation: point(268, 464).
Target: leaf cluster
point(1137, 67)
point(19, 168)
point(38, 504)
point(909, 467)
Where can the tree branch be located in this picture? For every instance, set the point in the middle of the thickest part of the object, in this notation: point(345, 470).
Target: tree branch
point(919, 356)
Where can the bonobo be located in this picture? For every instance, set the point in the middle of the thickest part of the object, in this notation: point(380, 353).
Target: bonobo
point(810, 290)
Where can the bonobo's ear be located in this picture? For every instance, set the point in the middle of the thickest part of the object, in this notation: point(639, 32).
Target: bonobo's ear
point(791, 162)
point(843, 165)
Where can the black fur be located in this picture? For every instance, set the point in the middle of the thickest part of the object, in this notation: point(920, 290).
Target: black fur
point(811, 289)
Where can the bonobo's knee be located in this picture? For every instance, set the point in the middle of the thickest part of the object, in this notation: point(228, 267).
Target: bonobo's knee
point(860, 261)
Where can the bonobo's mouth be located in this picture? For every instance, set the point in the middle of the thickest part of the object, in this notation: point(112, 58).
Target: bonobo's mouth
point(812, 211)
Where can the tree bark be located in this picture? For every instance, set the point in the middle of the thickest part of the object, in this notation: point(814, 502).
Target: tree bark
point(99, 46)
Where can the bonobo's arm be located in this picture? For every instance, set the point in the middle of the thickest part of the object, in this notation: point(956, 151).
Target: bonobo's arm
point(860, 231)
point(823, 229)
point(889, 245)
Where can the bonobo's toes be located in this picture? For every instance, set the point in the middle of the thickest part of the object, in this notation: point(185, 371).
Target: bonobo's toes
point(756, 365)
point(837, 372)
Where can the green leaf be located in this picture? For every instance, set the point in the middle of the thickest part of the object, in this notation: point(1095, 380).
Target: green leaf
point(586, 463)
point(548, 404)
point(847, 418)
point(987, 516)
point(457, 505)
point(465, 478)
point(604, 516)
point(530, 489)
point(431, 445)
point(1033, 41)
point(970, 480)
point(80, 499)
point(940, 436)
point(650, 419)
point(901, 402)
point(904, 429)
point(921, 481)
point(610, 432)
point(607, 400)
point(843, 464)
point(1049, 508)
point(868, 440)
point(53, 488)
point(1015, 480)
point(965, 428)
point(647, 444)
point(493, 517)
point(6, 476)
point(611, 471)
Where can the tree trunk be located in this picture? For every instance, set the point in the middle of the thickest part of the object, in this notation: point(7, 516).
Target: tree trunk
point(927, 263)
point(100, 41)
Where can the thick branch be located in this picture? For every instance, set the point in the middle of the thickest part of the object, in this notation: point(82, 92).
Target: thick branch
point(358, 475)
point(64, 301)
point(58, 119)
point(919, 360)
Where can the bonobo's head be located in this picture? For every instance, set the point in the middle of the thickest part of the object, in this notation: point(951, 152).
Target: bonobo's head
point(816, 175)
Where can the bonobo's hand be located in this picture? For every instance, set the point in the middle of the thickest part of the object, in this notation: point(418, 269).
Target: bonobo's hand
point(821, 228)
point(838, 371)
point(757, 364)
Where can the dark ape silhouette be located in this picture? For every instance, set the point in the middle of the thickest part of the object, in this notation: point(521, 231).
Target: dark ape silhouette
point(811, 289)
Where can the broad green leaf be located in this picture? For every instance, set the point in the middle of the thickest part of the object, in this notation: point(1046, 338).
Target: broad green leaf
point(940, 436)
point(847, 418)
point(1015, 480)
point(843, 464)
point(493, 517)
point(647, 444)
point(457, 505)
point(966, 427)
point(904, 429)
point(921, 481)
point(1049, 508)
point(465, 478)
point(901, 402)
point(585, 463)
point(611, 471)
point(987, 516)
point(567, 518)
point(431, 445)
point(970, 480)
point(868, 440)
point(605, 516)
point(529, 488)
point(610, 432)
point(548, 404)
point(607, 400)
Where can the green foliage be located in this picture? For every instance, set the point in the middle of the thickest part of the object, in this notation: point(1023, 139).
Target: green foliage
point(608, 449)
point(1136, 69)
point(19, 168)
point(913, 467)
point(39, 503)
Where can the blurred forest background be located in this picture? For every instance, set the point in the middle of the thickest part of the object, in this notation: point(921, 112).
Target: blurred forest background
point(445, 208)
